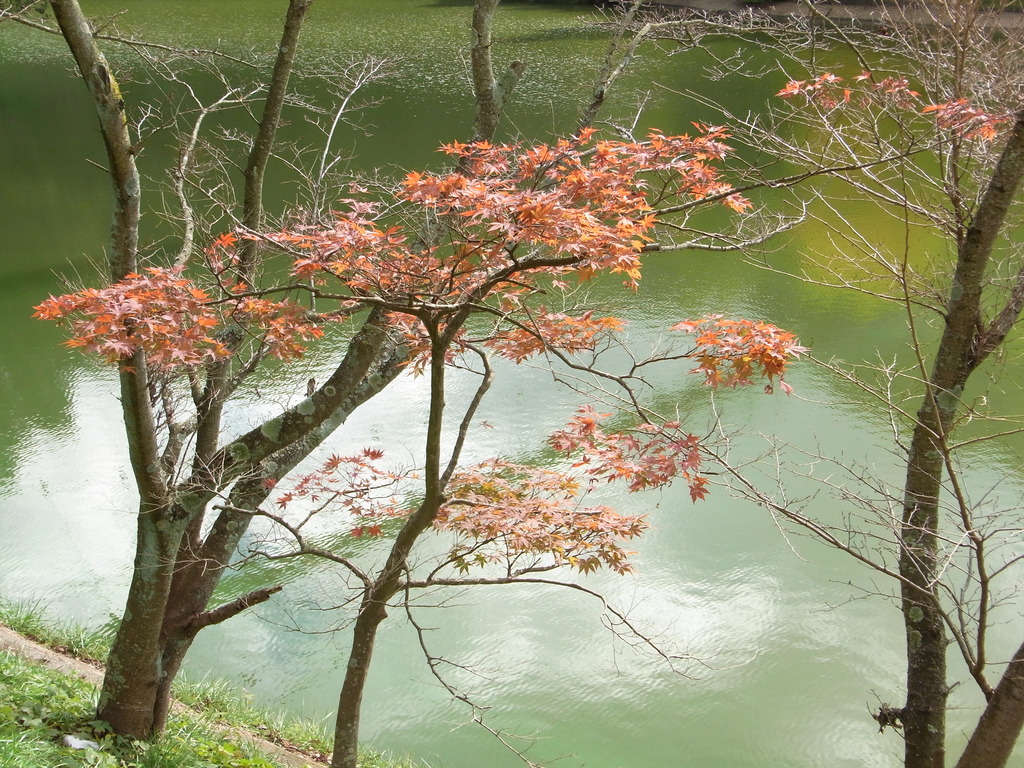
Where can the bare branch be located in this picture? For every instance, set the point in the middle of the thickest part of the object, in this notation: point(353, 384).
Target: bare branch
point(228, 610)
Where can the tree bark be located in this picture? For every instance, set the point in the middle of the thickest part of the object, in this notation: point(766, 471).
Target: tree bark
point(957, 356)
point(199, 565)
point(388, 582)
point(132, 675)
point(490, 93)
point(924, 714)
point(1001, 723)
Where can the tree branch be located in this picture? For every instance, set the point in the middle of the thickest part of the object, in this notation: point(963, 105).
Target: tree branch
point(235, 607)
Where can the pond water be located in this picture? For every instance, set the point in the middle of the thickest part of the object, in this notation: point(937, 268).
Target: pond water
point(787, 662)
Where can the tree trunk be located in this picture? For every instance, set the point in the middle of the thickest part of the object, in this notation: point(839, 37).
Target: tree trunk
point(197, 573)
point(373, 607)
point(131, 675)
point(150, 661)
point(1001, 722)
point(133, 666)
point(388, 583)
point(372, 612)
point(153, 660)
point(924, 715)
point(176, 639)
point(962, 348)
point(172, 654)
point(489, 92)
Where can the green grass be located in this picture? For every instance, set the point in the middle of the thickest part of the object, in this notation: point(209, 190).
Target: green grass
point(39, 706)
point(222, 702)
point(30, 619)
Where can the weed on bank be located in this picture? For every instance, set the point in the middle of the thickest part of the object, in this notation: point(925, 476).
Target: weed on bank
point(40, 707)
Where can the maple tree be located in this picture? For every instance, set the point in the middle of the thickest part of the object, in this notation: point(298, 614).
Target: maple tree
point(512, 224)
point(446, 269)
point(449, 269)
point(511, 218)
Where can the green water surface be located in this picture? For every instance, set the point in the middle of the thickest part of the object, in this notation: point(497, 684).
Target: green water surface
point(785, 665)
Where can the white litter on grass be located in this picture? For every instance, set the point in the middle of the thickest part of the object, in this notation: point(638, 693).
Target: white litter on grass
point(76, 743)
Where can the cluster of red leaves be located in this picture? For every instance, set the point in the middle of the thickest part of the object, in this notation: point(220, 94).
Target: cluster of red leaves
point(960, 118)
point(512, 216)
point(356, 485)
point(827, 91)
point(284, 326)
point(582, 203)
point(554, 330)
point(172, 321)
point(957, 117)
point(821, 90)
point(502, 512)
point(160, 313)
point(646, 456)
point(367, 258)
point(220, 254)
point(733, 352)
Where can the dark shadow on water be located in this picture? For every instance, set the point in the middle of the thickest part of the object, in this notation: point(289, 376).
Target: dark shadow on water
point(553, 33)
point(560, 33)
point(521, 4)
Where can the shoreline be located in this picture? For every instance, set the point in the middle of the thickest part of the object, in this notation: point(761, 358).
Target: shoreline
point(858, 10)
point(91, 673)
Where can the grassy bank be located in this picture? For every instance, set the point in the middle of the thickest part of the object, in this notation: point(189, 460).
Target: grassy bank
point(43, 711)
point(39, 707)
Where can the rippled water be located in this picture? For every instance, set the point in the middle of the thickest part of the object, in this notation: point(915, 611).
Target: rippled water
point(779, 666)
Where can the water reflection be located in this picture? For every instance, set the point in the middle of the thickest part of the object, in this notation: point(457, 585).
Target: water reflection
point(72, 518)
point(783, 662)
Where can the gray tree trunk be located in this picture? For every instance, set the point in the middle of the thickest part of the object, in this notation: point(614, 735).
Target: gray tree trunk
point(964, 344)
point(1000, 725)
point(490, 93)
point(132, 675)
point(388, 581)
